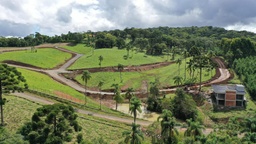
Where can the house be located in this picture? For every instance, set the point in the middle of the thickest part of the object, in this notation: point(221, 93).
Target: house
point(229, 95)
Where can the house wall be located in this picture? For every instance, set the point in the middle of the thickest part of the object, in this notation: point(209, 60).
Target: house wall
point(230, 98)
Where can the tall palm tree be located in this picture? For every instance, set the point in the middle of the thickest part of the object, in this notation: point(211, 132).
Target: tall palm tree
point(178, 61)
point(85, 77)
point(168, 127)
point(129, 93)
point(100, 84)
point(178, 80)
point(194, 129)
point(117, 94)
point(120, 68)
point(135, 105)
point(135, 136)
point(100, 59)
point(185, 55)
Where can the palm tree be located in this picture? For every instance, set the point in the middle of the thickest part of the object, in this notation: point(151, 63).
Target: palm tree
point(117, 94)
point(120, 68)
point(167, 127)
point(194, 129)
point(85, 77)
point(185, 55)
point(100, 59)
point(135, 105)
point(178, 61)
point(129, 93)
point(178, 80)
point(135, 136)
point(100, 84)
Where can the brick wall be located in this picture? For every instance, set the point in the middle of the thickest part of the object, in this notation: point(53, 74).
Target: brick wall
point(230, 98)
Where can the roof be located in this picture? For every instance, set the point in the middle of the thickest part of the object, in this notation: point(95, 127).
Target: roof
point(223, 88)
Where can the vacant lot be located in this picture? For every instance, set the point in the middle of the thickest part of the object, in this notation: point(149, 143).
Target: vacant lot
point(44, 57)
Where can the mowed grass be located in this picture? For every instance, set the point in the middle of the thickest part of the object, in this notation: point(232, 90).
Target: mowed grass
point(44, 57)
point(79, 48)
point(18, 111)
point(138, 80)
point(43, 83)
point(112, 57)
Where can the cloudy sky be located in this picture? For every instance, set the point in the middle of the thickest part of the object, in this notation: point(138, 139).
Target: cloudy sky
point(50, 17)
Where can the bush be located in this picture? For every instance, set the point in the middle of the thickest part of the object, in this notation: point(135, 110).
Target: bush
point(184, 107)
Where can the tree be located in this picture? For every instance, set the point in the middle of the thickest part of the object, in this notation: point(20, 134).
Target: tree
point(11, 80)
point(100, 59)
point(129, 93)
point(177, 80)
point(179, 61)
point(168, 127)
point(184, 107)
point(120, 68)
point(135, 105)
point(117, 94)
point(185, 55)
point(51, 124)
point(194, 129)
point(135, 136)
point(100, 84)
point(85, 77)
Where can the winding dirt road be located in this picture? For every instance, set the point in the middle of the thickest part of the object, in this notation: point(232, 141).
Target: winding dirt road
point(55, 74)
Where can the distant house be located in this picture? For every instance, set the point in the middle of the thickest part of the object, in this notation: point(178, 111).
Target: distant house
point(229, 95)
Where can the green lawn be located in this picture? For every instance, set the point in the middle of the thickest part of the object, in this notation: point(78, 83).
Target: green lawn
point(41, 82)
point(44, 58)
point(112, 57)
point(136, 79)
point(79, 48)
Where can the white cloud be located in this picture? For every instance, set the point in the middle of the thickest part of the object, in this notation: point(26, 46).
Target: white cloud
point(60, 16)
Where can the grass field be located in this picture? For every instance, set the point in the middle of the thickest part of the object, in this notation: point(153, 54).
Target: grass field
point(44, 58)
point(17, 111)
point(136, 79)
point(43, 83)
point(79, 48)
point(111, 57)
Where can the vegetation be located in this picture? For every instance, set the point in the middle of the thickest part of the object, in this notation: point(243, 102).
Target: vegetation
point(112, 57)
point(44, 57)
point(11, 80)
point(51, 124)
point(136, 79)
point(85, 77)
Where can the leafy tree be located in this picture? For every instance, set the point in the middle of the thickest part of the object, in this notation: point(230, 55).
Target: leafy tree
point(184, 107)
point(100, 59)
point(194, 129)
point(51, 124)
point(85, 77)
point(154, 88)
point(135, 105)
point(100, 84)
point(168, 127)
point(129, 93)
point(135, 136)
point(117, 94)
point(179, 61)
point(120, 68)
point(11, 80)
point(177, 80)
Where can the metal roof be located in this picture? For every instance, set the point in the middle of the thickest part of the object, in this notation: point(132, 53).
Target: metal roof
point(223, 88)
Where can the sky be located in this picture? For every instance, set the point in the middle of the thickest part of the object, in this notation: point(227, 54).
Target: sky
point(54, 17)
